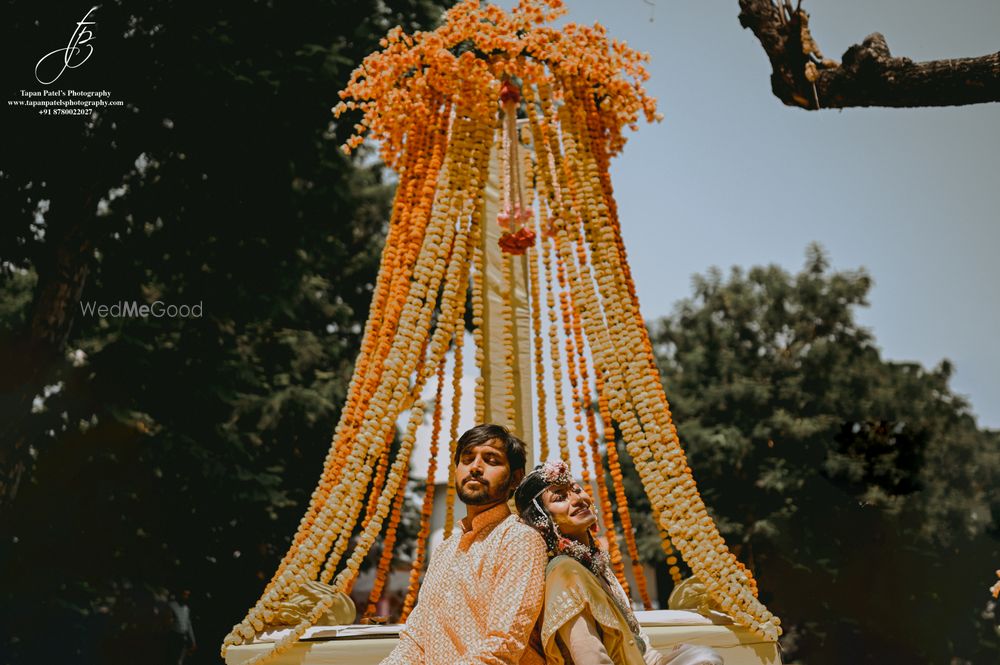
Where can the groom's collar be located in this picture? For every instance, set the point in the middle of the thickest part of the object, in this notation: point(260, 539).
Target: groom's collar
point(484, 520)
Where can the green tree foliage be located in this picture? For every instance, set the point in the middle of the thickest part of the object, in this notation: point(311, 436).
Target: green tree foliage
point(141, 455)
point(859, 490)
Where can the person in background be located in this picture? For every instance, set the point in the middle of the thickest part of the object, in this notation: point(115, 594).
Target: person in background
point(181, 637)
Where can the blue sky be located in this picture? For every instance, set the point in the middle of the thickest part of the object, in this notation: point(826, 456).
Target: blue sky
point(733, 177)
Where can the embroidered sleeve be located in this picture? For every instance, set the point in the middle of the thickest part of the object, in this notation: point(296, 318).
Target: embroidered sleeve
point(408, 650)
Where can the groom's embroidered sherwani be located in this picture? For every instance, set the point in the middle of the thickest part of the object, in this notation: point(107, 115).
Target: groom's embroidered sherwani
point(480, 598)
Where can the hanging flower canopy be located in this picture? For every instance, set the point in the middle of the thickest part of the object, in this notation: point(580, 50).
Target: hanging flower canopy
point(542, 109)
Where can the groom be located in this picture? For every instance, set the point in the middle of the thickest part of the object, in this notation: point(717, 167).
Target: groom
point(483, 590)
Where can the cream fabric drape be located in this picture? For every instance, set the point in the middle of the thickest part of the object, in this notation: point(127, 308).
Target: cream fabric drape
point(736, 645)
point(494, 288)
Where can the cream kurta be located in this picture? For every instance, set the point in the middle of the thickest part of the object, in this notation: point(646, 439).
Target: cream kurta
point(480, 598)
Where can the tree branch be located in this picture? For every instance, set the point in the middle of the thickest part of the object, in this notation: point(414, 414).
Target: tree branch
point(868, 76)
point(32, 358)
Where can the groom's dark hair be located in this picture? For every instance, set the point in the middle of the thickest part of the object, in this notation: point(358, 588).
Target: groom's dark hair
point(515, 448)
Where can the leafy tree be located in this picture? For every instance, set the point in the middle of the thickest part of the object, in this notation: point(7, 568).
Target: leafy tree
point(139, 455)
point(859, 490)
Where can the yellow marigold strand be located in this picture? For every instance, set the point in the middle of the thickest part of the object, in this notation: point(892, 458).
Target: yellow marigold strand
point(385, 559)
point(536, 328)
point(571, 369)
point(614, 550)
point(554, 353)
point(428, 506)
point(411, 323)
point(707, 552)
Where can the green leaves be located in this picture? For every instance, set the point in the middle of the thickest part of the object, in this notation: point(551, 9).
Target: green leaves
point(821, 461)
point(206, 435)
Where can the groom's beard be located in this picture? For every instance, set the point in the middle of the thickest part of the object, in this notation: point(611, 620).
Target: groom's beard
point(483, 493)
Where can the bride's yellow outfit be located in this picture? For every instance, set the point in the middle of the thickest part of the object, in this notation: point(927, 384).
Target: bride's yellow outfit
point(587, 617)
point(572, 591)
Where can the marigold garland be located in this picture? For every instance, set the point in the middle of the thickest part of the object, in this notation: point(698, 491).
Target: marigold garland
point(478, 267)
point(624, 516)
point(603, 159)
point(394, 271)
point(515, 215)
point(576, 398)
point(385, 559)
point(428, 505)
point(379, 483)
point(507, 339)
point(687, 521)
point(449, 515)
point(555, 356)
point(393, 389)
point(438, 102)
point(607, 513)
point(536, 330)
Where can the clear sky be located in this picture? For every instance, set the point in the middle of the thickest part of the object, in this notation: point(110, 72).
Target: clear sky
point(733, 177)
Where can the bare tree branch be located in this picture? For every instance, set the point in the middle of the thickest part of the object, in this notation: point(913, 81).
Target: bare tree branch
point(868, 75)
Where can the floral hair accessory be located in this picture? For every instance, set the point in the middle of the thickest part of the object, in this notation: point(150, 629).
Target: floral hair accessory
point(556, 473)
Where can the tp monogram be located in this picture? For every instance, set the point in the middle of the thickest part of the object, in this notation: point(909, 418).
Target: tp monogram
point(77, 41)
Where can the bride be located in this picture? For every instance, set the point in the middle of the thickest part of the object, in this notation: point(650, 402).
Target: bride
point(588, 619)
